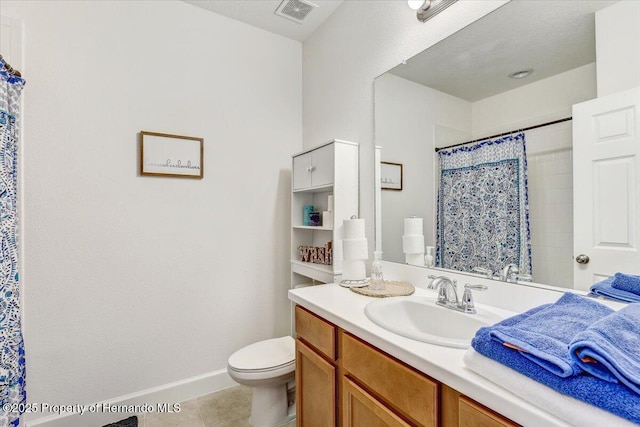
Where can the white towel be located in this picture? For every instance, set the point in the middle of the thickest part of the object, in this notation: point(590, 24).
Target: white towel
point(573, 411)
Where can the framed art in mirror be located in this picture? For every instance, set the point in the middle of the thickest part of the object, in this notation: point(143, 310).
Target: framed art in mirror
point(169, 155)
point(391, 176)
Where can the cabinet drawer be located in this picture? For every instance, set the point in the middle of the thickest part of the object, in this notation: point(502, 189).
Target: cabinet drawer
point(359, 408)
point(317, 332)
point(405, 390)
point(472, 414)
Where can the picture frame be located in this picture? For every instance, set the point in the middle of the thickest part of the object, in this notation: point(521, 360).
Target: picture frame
point(167, 155)
point(391, 176)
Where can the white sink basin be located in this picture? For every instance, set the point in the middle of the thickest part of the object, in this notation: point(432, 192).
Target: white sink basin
point(419, 318)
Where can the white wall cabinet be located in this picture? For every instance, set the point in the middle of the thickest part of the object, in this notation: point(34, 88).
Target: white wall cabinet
point(330, 169)
point(314, 168)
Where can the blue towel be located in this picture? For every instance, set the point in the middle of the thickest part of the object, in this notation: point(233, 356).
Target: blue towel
point(611, 397)
point(627, 283)
point(605, 289)
point(544, 336)
point(610, 348)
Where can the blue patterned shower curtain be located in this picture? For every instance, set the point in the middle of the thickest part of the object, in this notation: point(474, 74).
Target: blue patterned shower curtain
point(483, 206)
point(12, 362)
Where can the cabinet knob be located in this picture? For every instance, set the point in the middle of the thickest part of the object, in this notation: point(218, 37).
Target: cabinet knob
point(311, 168)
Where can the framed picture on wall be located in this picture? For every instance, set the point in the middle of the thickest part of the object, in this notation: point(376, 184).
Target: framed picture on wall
point(391, 176)
point(167, 155)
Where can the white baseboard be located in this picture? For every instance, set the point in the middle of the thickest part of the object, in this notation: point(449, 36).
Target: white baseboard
point(112, 410)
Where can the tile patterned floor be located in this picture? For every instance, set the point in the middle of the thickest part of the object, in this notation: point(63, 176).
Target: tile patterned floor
point(227, 408)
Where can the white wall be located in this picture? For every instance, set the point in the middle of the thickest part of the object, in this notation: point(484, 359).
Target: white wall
point(406, 114)
point(360, 41)
point(541, 101)
point(134, 282)
point(618, 47)
point(550, 175)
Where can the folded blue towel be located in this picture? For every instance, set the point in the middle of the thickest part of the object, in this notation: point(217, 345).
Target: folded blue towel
point(606, 290)
point(626, 282)
point(611, 397)
point(544, 336)
point(610, 348)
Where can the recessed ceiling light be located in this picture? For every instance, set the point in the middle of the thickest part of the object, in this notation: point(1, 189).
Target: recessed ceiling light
point(521, 74)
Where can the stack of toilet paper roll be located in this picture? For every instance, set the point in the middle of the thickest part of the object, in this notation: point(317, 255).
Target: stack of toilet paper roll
point(413, 241)
point(354, 250)
point(327, 216)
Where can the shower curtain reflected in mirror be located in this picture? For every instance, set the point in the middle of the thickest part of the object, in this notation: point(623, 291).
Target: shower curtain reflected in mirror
point(12, 361)
point(483, 212)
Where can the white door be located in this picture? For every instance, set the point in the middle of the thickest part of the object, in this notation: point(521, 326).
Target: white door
point(606, 187)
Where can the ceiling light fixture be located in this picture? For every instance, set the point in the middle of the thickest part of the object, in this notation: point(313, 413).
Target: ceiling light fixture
point(521, 74)
point(417, 4)
point(426, 9)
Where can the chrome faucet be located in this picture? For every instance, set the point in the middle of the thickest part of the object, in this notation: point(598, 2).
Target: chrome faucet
point(446, 299)
point(467, 304)
point(450, 299)
point(509, 273)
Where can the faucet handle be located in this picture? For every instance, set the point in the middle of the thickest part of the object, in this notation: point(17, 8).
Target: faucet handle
point(467, 304)
point(524, 277)
point(485, 271)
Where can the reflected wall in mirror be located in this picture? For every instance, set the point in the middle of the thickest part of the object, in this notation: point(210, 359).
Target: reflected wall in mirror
point(460, 90)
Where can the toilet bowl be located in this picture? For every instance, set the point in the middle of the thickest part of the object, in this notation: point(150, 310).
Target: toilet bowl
point(269, 368)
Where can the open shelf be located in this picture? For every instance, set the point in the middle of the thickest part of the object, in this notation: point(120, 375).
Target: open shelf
point(315, 227)
point(317, 189)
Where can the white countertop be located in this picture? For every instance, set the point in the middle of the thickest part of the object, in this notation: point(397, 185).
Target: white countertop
point(345, 309)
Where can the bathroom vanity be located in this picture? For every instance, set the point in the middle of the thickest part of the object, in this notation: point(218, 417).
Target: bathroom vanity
point(352, 372)
point(343, 380)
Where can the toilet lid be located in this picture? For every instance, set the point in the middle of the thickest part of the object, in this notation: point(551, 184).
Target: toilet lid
point(263, 355)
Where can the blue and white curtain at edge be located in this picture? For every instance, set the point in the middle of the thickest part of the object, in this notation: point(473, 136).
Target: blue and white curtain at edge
point(483, 206)
point(12, 361)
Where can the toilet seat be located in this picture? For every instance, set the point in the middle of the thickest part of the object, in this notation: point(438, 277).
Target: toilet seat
point(276, 354)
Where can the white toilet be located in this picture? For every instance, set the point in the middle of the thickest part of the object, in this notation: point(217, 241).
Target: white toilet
point(269, 367)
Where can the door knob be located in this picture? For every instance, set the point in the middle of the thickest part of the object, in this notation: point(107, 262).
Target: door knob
point(582, 259)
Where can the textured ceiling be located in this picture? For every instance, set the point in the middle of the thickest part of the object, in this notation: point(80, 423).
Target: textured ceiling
point(260, 13)
point(475, 62)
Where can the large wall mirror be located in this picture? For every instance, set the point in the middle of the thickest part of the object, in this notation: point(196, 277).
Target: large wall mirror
point(522, 66)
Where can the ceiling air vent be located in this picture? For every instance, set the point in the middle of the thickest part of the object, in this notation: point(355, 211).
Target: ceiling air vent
point(295, 10)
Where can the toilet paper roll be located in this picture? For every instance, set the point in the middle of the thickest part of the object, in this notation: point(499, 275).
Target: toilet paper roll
point(413, 244)
point(330, 203)
point(353, 249)
point(353, 228)
point(327, 219)
point(413, 226)
point(414, 259)
point(354, 270)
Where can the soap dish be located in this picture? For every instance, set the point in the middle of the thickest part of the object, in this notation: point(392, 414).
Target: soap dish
point(354, 283)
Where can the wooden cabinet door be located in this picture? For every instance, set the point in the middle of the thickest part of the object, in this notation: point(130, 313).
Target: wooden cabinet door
point(360, 409)
point(472, 414)
point(315, 389)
